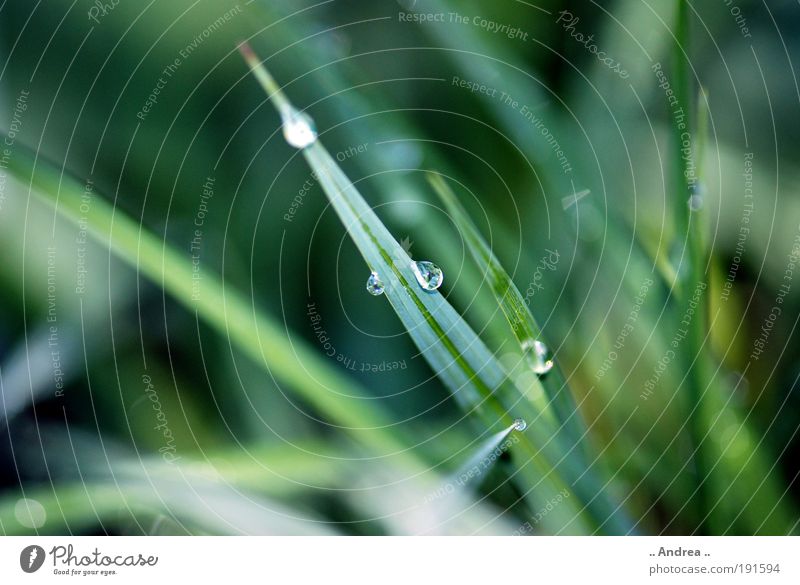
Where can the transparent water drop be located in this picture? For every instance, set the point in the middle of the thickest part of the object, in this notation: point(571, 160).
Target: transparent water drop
point(375, 285)
point(428, 275)
point(520, 424)
point(538, 356)
point(298, 128)
point(695, 201)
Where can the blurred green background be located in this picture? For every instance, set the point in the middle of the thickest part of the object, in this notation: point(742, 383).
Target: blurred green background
point(245, 452)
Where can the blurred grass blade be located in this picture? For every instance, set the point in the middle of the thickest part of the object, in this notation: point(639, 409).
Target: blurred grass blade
point(450, 346)
point(477, 381)
point(196, 506)
point(226, 310)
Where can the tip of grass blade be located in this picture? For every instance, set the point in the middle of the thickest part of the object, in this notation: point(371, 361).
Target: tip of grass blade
point(263, 76)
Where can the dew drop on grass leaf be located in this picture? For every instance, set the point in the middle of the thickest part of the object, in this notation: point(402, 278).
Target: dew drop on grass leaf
point(298, 128)
point(538, 356)
point(520, 424)
point(375, 285)
point(428, 275)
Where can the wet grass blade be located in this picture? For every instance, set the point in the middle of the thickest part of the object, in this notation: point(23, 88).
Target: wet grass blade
point(475, 378)
point(209, 507)
point(226, 310)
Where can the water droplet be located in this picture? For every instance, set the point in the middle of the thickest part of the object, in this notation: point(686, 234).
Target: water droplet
point(520, 425)
point(402, 155)
point(375, 284)
point(298, 128)
point(538, 356)
point(429, 276)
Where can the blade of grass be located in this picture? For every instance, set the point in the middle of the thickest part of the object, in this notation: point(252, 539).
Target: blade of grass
point(680, 56)
point(742, 459)
point(205, 507)
point(518, 314)
point(699, 373)
point(475, 378)
point(705, 390)
point(340, 82)
point(452, 349)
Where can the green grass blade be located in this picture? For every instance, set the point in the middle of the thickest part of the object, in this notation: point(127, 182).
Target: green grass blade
point(516, 310)
point(341, 82)
point(232, 315)
point(207, 507)
point(689, 226)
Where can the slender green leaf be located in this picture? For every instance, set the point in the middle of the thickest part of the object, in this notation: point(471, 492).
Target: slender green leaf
point(195, 504)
